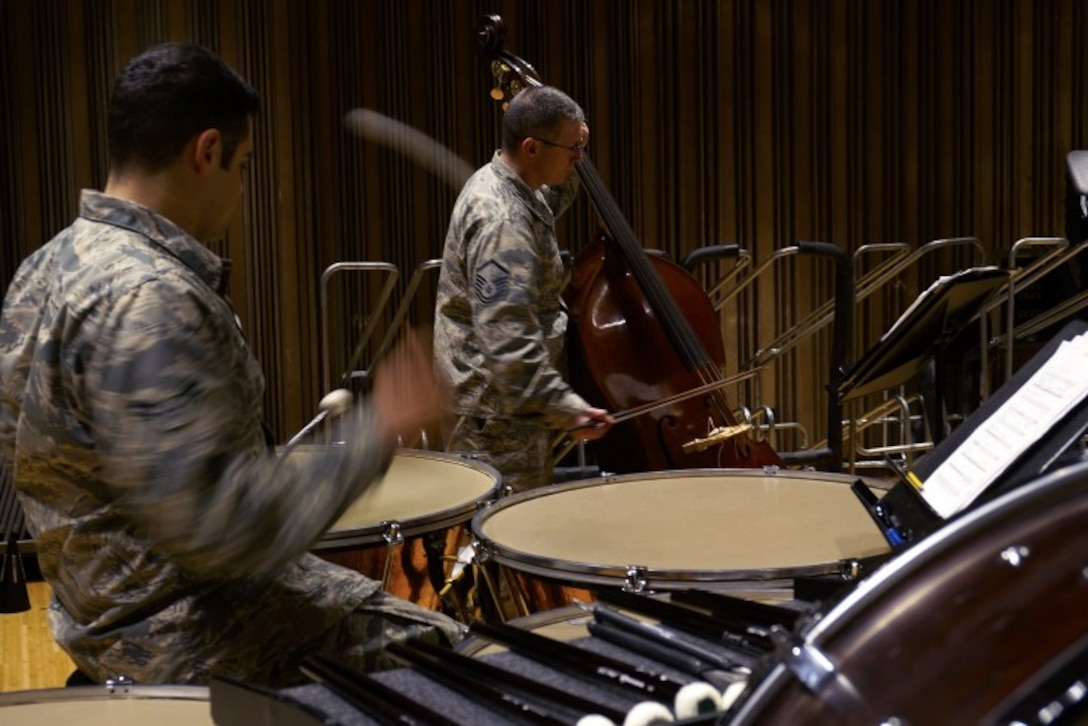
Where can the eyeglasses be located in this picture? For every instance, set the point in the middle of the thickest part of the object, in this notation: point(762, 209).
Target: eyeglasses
point(574, 150)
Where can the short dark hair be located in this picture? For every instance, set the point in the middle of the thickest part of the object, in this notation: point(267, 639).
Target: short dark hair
point(537, 111)
point(168, 94)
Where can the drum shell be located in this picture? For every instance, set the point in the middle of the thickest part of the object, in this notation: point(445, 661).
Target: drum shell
point(423, 495)
point(109, 706)
point(955, 627)
point(731, 530)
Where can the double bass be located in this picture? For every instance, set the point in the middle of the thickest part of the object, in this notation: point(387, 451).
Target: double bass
point(641, 331)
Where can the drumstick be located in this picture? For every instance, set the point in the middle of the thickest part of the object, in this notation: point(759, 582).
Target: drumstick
point(474, 688)
point(654, 650)
point(736, 635)
point(657, 686)
point(667, 638)
point(413, 143)
point(494, 674)
point(692, 698)
point(372, 697)
point(738, 608)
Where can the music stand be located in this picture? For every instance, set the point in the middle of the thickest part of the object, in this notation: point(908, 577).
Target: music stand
point(906, 516)
point(923, 332)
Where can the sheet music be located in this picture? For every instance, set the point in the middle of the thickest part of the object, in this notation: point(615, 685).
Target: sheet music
point(1059, 385)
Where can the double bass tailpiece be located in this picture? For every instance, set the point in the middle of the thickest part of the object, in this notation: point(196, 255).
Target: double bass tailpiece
point(718, 435)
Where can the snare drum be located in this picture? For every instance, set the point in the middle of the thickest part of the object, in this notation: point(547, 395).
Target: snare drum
point(109, 706)
point(716, 529)
point(981, 622)
point(421, 503)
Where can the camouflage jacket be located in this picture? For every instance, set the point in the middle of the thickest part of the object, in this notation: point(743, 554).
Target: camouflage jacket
point(130, 417)
point(500, 320)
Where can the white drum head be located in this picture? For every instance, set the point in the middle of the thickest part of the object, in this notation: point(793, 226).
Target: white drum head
point(423, 491)
point(102, 706)
point(700, 525)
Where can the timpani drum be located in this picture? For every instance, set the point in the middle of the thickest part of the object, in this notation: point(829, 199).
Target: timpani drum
point(711, 529)
point(983, 621)
point(403, 527)
point(128, 705)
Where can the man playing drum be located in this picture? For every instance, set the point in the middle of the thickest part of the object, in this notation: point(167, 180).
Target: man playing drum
point(174, 538)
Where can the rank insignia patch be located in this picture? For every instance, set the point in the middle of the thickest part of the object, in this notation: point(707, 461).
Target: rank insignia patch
point(492, 281)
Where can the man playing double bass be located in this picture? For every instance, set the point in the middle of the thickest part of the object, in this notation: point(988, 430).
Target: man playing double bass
point(500, 321)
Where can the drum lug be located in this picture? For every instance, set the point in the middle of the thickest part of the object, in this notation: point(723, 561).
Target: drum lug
point(120, 682)
point(811, 666)
point(391, 533)
point(849, 570)
point(635, 580)
point(1015, 556)
point(483, 551)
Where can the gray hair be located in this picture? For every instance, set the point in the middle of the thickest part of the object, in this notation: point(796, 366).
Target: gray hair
point(537, 111)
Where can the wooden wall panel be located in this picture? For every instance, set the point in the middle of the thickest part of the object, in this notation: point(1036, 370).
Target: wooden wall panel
point(755, 122)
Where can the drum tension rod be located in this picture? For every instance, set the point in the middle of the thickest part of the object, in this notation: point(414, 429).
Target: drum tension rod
point(818, 674)
point(811, 666)
point(635, 580)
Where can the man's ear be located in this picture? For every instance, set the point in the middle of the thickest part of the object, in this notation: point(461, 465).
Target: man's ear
point(529, 146)
point(207, 150)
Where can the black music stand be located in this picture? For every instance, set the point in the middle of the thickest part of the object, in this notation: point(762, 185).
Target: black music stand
point(923, 333)
point(937, 316)
point(906, 517)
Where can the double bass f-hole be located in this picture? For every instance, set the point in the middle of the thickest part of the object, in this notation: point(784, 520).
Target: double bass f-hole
point(642, 330)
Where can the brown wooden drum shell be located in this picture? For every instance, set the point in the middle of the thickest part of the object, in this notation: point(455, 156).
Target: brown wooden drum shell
point(952, 628)
point(424, 495)
point(711, 529)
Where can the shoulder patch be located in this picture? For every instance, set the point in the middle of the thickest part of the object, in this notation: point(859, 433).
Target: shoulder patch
point(492, 282)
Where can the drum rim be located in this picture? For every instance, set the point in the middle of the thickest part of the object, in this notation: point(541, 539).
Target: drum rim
point(422, 524)
point(176, 692)
point(611, 575)
point(906, 564)
point(872, 591)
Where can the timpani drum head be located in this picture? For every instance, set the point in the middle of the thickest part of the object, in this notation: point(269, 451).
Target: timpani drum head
point(676, 528)
point(422, 491)
point(108, 706)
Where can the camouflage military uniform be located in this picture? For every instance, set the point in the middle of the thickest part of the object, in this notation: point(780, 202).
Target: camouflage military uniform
point(173, 538)
point(500, 323)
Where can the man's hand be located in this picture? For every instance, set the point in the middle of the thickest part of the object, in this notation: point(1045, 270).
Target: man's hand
point(406, 394)
point(591, 424)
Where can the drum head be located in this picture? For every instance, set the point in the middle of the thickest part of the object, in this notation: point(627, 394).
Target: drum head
point(105, 706)
point(681, 527)
point(423, 491)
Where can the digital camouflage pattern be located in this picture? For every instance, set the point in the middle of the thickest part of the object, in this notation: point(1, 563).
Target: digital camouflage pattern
point(130, 418)
point(500, 323)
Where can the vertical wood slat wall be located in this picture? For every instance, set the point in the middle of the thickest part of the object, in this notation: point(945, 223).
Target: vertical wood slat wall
point(756, 122)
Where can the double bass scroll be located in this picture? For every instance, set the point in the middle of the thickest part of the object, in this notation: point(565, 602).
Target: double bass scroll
point(642, 330)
